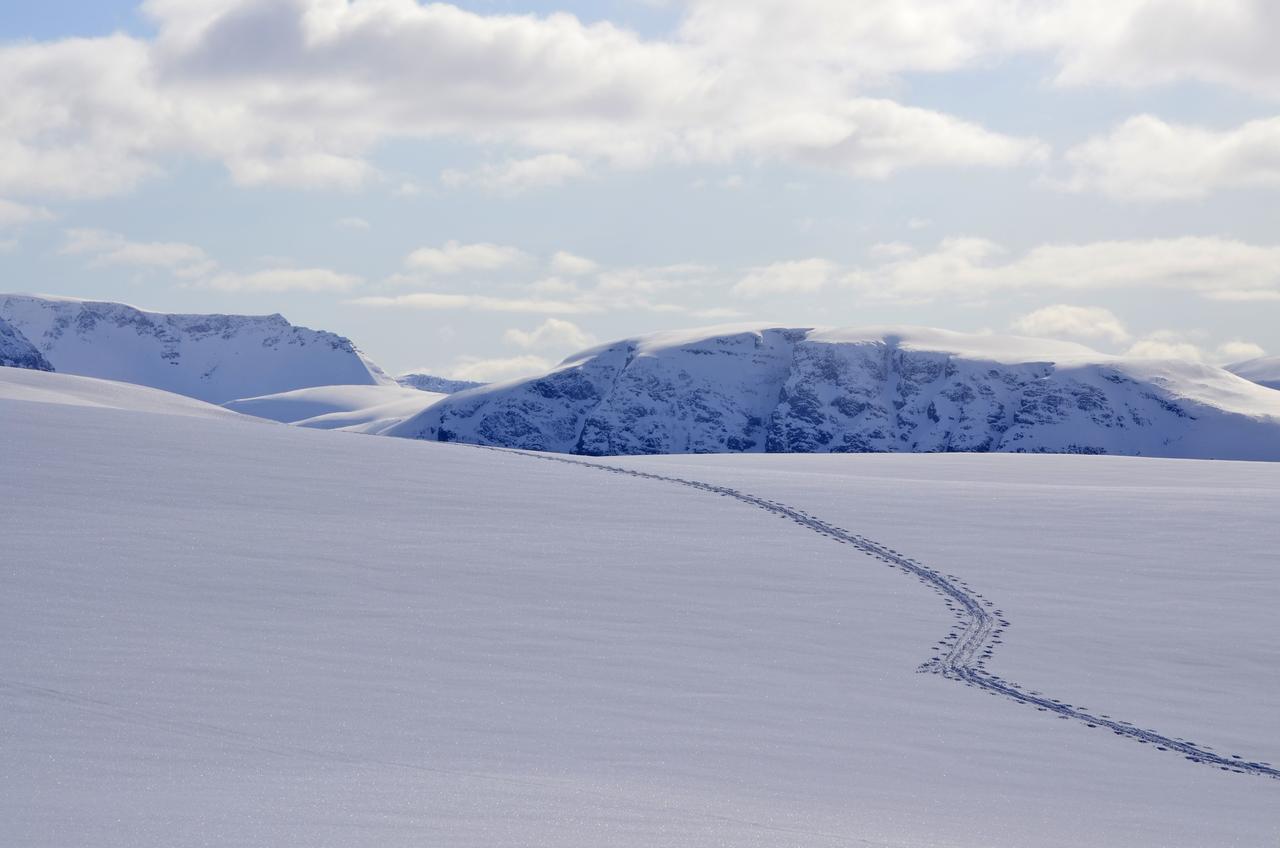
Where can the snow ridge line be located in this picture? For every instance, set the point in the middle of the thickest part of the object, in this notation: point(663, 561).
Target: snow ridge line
point(961, 654)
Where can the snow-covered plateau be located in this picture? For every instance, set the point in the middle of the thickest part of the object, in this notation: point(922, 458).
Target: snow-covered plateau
point(220, 631)
point(878, 389)
point(215, 358)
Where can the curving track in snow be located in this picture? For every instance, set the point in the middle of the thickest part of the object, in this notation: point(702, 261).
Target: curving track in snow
point(962, 654)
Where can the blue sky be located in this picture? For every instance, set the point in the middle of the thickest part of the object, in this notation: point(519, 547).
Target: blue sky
point(480, 189)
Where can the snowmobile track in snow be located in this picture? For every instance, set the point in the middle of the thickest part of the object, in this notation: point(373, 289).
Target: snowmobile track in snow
point(963, 653)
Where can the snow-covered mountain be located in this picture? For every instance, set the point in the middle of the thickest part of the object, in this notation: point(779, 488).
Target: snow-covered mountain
point(16, 351)
point(432, 383)
point(879, 389)
point(215, 358)
point(1265, 371)
point(357, 409)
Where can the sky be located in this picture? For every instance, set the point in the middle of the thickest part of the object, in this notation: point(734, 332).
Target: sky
point(478, 190)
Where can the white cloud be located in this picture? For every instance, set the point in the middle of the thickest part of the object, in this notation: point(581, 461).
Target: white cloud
point(191, 263)
point(352, 223)
point(483, 303)
point(1214, 267)
point(552, 334)
point(1146, 158)
point(495, 370)
point(1149, 42)
point(303, 169)
point(563, 262)
point(1165, 344)
point(1083, 322)
point(454, 258)
point(302, 92)
point(517, 175)
point(919, 224)
point(285, 280)
point(106, 248)
point(791, 277)
point(16, 214)
point(1238, 351)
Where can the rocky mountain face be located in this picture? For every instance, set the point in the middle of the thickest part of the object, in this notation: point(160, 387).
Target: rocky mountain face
point(215, 358)
point(16, 351)
point(432, 383)
point(774, 389)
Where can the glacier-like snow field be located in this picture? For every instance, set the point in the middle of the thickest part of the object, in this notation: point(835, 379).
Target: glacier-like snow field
point(219, 631)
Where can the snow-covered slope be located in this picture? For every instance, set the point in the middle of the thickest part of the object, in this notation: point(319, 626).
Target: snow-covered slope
point(880, 389)
point(70, 390)
point(360, 409)
point(1265, 371)
point(218, 632)
point(432, 383)
point(17, 352)
point(215, 358)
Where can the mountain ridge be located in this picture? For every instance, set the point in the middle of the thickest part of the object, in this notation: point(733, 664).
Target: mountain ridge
point(213, 357)
point(768, 388)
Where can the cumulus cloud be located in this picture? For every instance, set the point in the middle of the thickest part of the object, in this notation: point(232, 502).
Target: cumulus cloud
point(792, 277)
point(552, 334)
point(1239, 351)
point(285, 280)
point(517, 175)
point(563, 262)
point(1147, 42)
point(1213, 267)
point(1165, 344)
point(1146, 158)
point(352, 223)
point(497, 369)
point(16, 214)
point(301, 92)
point(106, 248)
point(192, 264)
point(455, 257)
point(484, 303)
point(1081, 322)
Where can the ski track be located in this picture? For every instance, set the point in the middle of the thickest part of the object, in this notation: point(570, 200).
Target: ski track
point(963, 653)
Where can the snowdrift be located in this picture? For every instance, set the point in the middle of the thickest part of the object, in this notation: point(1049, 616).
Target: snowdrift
point(360, 409)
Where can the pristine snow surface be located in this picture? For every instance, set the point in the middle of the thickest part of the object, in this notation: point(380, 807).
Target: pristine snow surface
point(18, 384)
point(216, 358)
point(17, 352)
point(1265, 371)
point(222, 632)
point(880, 389)
point(361, 409)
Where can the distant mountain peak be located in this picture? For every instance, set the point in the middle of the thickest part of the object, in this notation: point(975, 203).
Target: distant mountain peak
point(213, 357)
point(432, 383)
